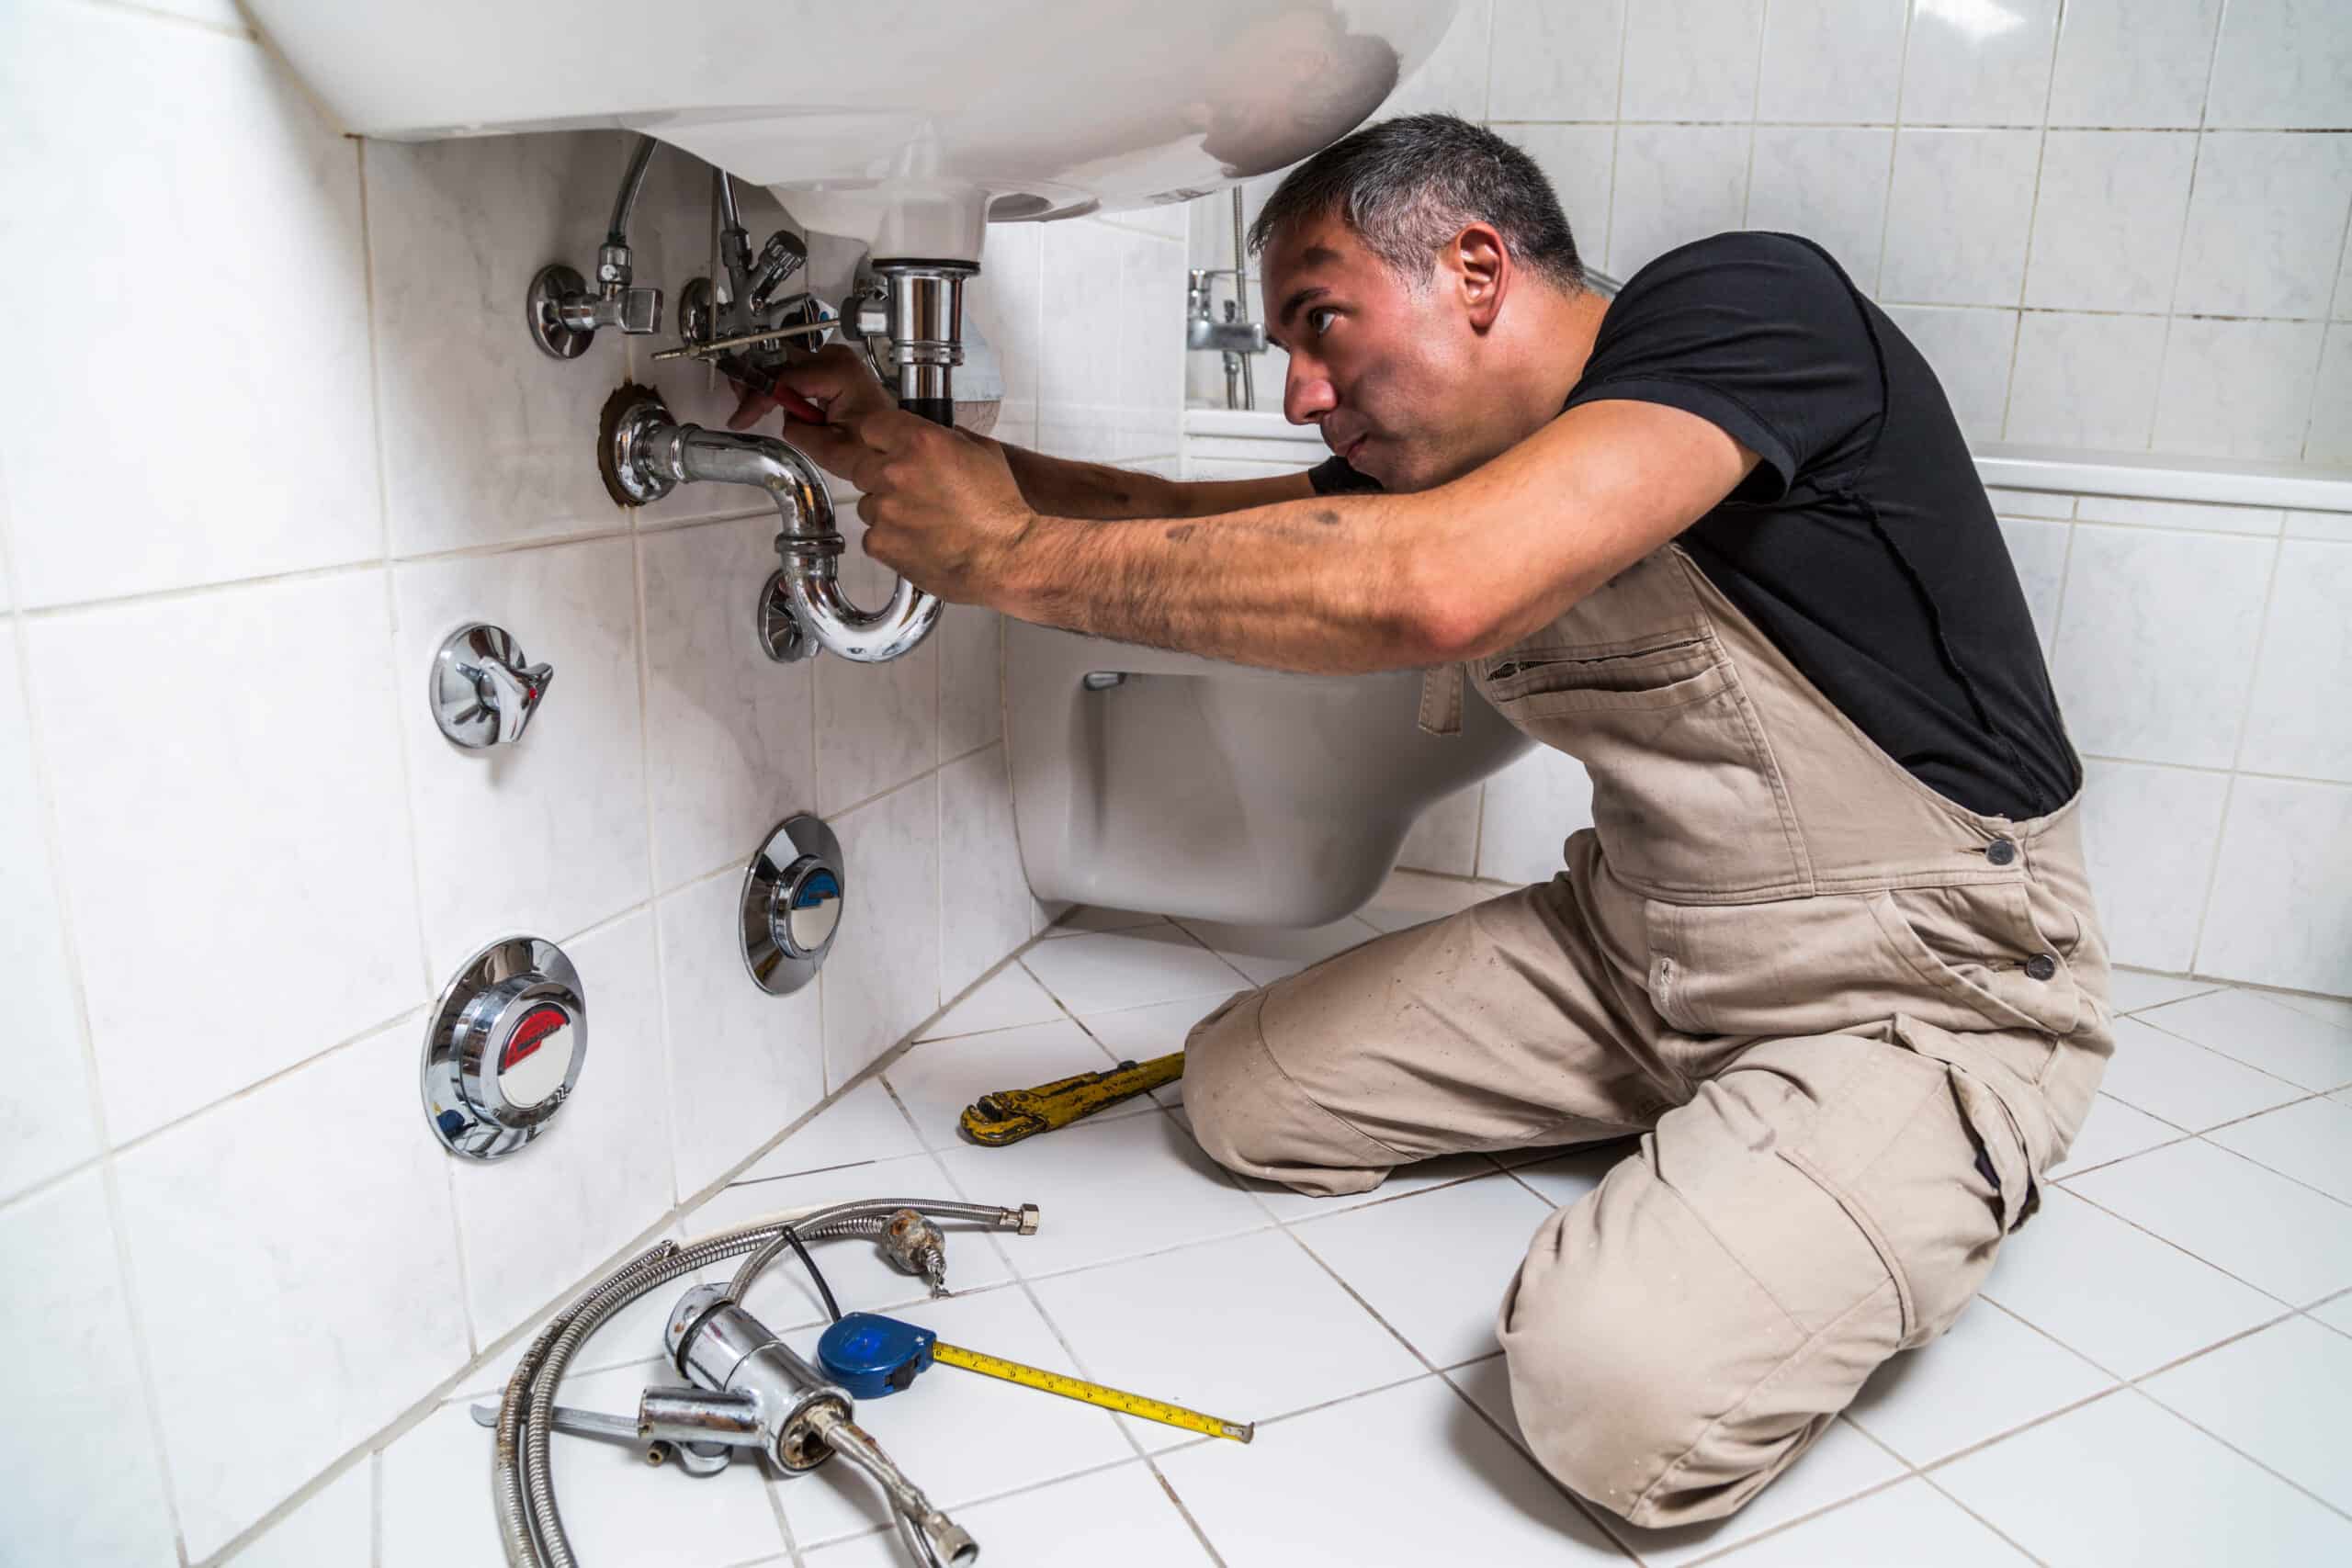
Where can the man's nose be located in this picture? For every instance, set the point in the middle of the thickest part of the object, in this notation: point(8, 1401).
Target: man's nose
point(1307, 394)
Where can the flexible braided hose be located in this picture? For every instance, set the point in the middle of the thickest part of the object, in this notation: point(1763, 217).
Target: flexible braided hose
point(529, 1524)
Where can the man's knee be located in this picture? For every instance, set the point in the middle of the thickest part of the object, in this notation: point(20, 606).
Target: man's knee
point(1215, 1068)
point(1249, 1117)
point(1649, 1372)
point(1609, 1406)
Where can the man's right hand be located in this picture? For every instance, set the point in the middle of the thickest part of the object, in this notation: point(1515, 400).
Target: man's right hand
point(836, 378)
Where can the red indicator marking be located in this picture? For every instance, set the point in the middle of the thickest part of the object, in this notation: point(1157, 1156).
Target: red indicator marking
point(532, 1033)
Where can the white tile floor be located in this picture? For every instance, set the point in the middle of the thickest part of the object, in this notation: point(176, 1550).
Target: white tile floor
point(2157, 1374)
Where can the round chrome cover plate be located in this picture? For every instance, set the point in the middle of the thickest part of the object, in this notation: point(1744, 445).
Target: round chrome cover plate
point(539, 308)
point(794, 893)
point(503, 1047)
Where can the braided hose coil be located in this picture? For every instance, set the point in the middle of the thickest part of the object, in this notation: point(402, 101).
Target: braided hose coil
point(521, 1483)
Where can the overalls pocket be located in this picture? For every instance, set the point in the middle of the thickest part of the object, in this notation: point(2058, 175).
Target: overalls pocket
point(1686, 800)
point(2011, 1127)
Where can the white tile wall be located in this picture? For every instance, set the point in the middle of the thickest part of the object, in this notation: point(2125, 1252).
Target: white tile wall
point(2268, 211)
point(86, 1481)
point(2085, 379)
point(883, 977)
point(1674, 183)
point(1977, 64)
point(2155, 639)
point(548, 835)
point(1691, 59)
point(225, 770)
point(2279, 915)
point(2049, 160)
point(45, 1121)
point(2106, 221)
point(1971, 352)
point(2133, 63)
point(2150, 834)
point(2282, 63)
point(1555, 63)
point(1827, 182)
point(240, 860)
point(1835, 61)
point(254, 448)
point(1957, 216)
point(2237, 388)
point(296, 1270)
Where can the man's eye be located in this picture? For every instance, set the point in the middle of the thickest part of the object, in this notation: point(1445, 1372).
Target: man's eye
point(1318, 320)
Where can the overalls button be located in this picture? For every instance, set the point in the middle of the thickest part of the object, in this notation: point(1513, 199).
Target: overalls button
point(2001, 851)
point(2041, 966)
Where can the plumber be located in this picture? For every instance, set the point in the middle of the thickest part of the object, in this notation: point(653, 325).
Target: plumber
point(1828, 948)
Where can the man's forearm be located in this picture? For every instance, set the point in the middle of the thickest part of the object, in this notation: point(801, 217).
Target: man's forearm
point(1059, 487)
point(1318, 585)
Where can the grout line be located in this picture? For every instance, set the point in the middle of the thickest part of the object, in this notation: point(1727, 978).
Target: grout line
point(77, 993)
point(1894, 153)
point(1616, 146)
point(2032, 218)
point(2187, 220)
point(661, 1034)
point(1939, 1490)
point(1733, 1549)
point(2237, 749)
point(783, 1521)
point(376, 1508)
point(2283, 1175)
point(2168, 1241)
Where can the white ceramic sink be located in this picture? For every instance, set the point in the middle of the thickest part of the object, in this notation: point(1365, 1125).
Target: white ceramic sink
point(904, 123)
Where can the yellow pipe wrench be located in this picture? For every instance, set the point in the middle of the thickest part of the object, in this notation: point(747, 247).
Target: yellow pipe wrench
point(1009, 1115)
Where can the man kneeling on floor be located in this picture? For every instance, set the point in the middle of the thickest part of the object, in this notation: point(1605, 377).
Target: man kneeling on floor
point(1828, 946)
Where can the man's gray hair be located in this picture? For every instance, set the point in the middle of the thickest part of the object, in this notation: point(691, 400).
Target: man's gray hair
point(1409, 186)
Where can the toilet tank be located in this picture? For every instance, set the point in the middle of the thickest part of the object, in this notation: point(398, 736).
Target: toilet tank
point(1148, 780)
point(904, 123)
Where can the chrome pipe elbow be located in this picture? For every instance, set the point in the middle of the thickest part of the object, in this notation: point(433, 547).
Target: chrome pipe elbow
point(644, 455)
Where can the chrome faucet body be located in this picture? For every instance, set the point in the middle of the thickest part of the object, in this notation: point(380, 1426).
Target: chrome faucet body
point(1202, 328)
point(752, 1389)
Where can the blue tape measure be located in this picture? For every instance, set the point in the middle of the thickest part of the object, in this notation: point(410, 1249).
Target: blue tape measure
point(871, 1355)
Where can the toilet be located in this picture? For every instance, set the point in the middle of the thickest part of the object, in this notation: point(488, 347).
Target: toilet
point(1187, 787)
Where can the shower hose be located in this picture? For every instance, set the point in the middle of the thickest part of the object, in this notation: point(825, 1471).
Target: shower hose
point(521, 1479)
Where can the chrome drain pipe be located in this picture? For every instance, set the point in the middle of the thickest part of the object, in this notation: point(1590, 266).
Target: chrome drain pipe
point(644, 455)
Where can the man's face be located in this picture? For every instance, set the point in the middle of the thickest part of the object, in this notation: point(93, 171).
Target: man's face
point(1385, 369)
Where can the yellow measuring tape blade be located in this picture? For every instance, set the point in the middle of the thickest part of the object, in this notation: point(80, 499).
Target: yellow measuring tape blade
point(1089, 1393)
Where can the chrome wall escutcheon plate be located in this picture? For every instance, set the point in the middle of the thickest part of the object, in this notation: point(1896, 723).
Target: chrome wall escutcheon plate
point(793, 893)
point(503, 1047)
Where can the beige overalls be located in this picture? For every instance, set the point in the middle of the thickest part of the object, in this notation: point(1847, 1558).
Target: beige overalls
point(1853, 1021)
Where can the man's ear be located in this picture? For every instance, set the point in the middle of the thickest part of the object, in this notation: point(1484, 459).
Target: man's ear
point(1482, 269)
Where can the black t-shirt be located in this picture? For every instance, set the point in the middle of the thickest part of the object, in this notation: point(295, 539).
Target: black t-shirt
point(1863, 543)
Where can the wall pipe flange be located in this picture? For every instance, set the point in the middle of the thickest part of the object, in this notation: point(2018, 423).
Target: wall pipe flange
point(543, 312)
point(793, 896)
